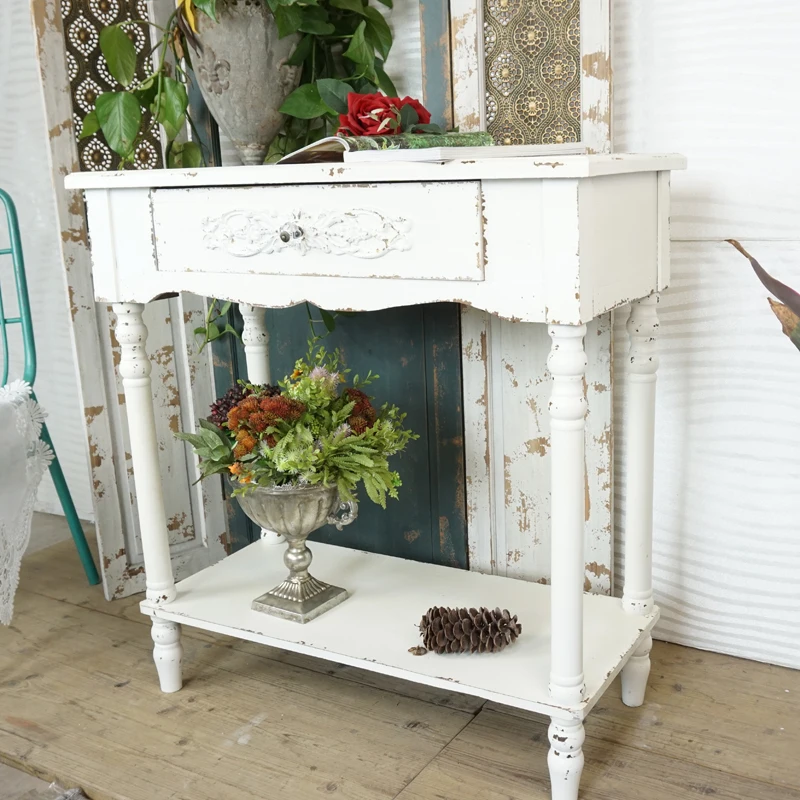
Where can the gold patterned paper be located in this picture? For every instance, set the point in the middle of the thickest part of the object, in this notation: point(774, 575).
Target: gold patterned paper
point(532, 57)
point(89, 76)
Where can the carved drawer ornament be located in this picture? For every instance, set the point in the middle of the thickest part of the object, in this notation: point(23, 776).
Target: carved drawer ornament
point(358, 232)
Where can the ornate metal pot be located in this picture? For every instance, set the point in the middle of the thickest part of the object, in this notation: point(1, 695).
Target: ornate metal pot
point(243, 74)
point(296, 512)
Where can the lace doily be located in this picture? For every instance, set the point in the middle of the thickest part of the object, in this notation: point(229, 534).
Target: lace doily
point(25, 459)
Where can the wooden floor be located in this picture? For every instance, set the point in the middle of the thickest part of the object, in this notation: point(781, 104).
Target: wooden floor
point(79, 702)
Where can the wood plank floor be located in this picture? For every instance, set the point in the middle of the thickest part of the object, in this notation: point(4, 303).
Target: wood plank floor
point(79, 703)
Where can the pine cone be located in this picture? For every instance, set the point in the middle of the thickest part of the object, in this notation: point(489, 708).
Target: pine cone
point(462, 630)
point(234, 396)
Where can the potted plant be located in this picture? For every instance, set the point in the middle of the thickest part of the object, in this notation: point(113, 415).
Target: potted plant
point(296, 455)
point(260, 64)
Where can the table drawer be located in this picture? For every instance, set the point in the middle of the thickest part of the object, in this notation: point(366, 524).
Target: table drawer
point(388, 230)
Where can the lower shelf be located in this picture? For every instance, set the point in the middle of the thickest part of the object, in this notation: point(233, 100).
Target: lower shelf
point(374, 628)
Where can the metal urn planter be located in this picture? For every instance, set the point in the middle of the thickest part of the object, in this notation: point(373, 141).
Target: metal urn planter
point(295, 512)
point(243, 74)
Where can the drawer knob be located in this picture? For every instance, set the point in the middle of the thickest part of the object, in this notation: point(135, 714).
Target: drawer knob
point(289, 232)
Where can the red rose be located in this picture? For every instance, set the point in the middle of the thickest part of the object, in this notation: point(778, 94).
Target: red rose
point(372, 114)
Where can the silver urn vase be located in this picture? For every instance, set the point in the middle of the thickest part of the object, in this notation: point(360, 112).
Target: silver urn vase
point(296, 512)
point(243, 74)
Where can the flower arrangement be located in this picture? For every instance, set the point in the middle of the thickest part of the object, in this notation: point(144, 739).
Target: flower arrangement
point(310, 429)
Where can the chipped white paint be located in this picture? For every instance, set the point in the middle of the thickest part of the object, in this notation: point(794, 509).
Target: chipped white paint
point(565, 759)
point(183, 378)
point(596, 75)
point(308, 230)
point(466, 32)
point(167, 654)
point(507, 448)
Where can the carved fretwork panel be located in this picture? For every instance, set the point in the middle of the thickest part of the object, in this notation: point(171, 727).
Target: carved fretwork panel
point(89, 76)
point(532, 52)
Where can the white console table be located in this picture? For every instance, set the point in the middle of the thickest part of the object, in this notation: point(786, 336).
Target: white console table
point(553, 240)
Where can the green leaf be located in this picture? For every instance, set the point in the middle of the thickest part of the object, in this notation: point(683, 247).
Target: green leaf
point(356, 6)
point(384, 81)
point(213, 331)
point(334, 93)
point(208, 7)
point(186, 154)
point(305, 102)
point(172, 106)
point(231, 329)
point(90, 125)
point(119, 53)
point(429, 128)
point(327, 318)
point(288, 19)
point(301, 52)
point(315, 20)
point(378, 32)
point(408, 116)
point(226, 307)
point(119, 116)
point(146, 92)
point(361, 52)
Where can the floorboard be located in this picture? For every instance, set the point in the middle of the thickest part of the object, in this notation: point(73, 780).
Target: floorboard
point(79, 702)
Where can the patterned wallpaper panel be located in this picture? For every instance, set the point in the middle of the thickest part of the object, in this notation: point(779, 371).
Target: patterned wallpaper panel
point(89, 75)
point(532, 52)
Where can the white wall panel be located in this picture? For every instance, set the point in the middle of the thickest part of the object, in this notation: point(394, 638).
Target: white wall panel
point(717, 81)
point(727, 501)
point(25, 174)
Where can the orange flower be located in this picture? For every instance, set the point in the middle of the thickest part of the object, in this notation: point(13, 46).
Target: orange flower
point(236, 468)
point(296, 374)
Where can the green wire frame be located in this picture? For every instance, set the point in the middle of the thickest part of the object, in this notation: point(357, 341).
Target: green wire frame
point(29, 376)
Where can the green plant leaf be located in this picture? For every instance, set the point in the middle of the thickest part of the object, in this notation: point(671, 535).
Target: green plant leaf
point(356, 6)
point(119, 53)
point(361, 53)
point(429, 128)
point(384, 81)
point(305, 102)
point(378, 32)
point(327, 318)
point(213, 331)
point(185, 154)
point(288, 19)
point(226, 307)
point(315, 20)
point(301, 52)
point(172, 108)
point(408, 116)
point(119, 116)
point(90, 125)
point(208, 7)
point(334, 93)
point(146, 92)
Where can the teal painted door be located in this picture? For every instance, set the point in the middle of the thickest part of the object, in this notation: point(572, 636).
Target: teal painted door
point(416, 351)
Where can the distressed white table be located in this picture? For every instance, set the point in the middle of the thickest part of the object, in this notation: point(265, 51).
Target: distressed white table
point(556, 241)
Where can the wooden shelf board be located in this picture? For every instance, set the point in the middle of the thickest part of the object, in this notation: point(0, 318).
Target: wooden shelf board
point(374, 628)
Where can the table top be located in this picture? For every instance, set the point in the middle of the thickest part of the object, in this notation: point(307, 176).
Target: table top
point(553, 166)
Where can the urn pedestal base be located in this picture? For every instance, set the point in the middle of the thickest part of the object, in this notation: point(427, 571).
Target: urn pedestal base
point(303, 610)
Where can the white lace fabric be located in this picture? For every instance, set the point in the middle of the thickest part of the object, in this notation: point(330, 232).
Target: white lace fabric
point(24, 458)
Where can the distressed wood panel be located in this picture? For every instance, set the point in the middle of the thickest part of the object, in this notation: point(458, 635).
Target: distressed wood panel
point(725, 556)
point(506, 395)
point(195, 519)
point(676, 89)
point(25, 174)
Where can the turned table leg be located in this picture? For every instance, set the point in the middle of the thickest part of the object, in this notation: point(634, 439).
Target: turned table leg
point(255, 338)
point(567, 364)
point(135, 368)
point(637, 595)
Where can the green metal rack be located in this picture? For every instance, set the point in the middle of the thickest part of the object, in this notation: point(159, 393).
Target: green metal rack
point(29, 375)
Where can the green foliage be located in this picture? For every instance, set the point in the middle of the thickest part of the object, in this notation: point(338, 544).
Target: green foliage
point(215, 323)
point(321, 438)
point(345, 46)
